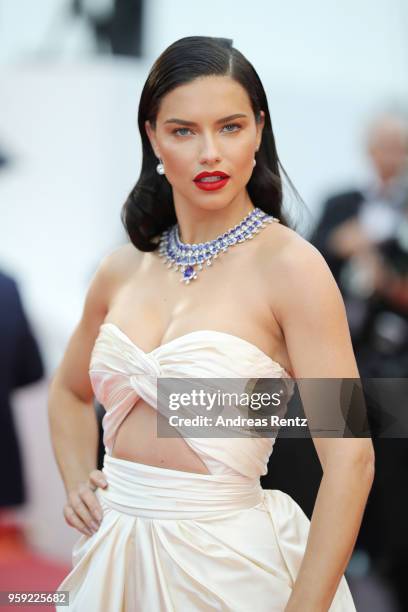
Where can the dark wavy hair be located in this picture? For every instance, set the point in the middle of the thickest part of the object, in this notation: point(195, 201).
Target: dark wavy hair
point(149, 208)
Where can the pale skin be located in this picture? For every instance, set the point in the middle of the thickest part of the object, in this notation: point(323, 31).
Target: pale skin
point(308, 336)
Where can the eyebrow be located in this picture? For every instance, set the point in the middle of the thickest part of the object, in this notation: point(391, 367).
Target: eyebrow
point(185, 122)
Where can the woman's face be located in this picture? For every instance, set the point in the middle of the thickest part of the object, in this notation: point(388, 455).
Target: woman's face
point(206, 125)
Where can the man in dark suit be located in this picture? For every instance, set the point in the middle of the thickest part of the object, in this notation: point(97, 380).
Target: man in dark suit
point(355, 225)
point(337, 210)
point(20, 365)
point(340, 233)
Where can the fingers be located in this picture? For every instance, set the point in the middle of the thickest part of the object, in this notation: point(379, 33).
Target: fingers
point(77, 501)
point(83, 510)
point(91, 503)
point(74, 521)
point(98, 479)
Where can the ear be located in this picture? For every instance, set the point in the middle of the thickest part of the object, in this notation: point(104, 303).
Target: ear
point(259, 129)
point(151, 134)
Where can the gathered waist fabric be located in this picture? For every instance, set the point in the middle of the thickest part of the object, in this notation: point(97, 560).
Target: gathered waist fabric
point(171, 541)
point(153, 492)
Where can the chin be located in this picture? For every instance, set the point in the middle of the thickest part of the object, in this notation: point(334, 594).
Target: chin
point(213, 204)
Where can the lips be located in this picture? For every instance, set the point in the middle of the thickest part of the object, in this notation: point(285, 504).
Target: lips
point(216, 174)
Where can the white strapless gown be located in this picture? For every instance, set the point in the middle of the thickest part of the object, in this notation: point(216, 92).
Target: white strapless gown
point(173, 541)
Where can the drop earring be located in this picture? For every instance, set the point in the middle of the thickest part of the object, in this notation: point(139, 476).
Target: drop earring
point(160, 167)
point(254, 161)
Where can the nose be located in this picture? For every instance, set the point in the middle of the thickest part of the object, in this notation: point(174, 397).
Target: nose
point(209, 152)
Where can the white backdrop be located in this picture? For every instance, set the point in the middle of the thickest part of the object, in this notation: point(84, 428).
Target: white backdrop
point(70, 126)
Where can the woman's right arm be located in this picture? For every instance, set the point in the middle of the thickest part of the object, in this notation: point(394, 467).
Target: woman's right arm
point(72, 418)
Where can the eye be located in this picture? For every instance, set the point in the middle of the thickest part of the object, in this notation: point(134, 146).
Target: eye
point(236, 125)
point(175, 132)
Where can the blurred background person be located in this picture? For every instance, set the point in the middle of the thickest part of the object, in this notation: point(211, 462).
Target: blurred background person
point(20, 364)
point(363, 235)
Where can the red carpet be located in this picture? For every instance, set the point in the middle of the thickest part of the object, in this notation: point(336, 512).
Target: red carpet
point(23, 570)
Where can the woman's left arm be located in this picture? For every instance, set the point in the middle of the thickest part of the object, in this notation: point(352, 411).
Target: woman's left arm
point(312, 316)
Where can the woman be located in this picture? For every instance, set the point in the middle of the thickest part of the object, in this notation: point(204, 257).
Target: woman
point(175, 523)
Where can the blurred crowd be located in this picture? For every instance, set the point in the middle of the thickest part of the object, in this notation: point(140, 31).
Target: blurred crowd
point(363, 235)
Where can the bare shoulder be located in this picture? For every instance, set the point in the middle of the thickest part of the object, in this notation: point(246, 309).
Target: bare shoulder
point(116, 267)
point(309, 307)
point(297, 271)
point(111, 274)
point(123, 260)
point(113, 270)
point(293, 262)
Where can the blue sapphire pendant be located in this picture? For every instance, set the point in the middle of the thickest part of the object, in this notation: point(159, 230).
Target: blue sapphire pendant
point(189, 274)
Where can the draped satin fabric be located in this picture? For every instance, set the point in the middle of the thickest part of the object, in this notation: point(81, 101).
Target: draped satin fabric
point(174, 541)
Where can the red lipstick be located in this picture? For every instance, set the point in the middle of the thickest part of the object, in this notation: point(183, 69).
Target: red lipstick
point(217, 182)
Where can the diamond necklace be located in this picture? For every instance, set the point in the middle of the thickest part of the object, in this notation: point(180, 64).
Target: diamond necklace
point(177, 254)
